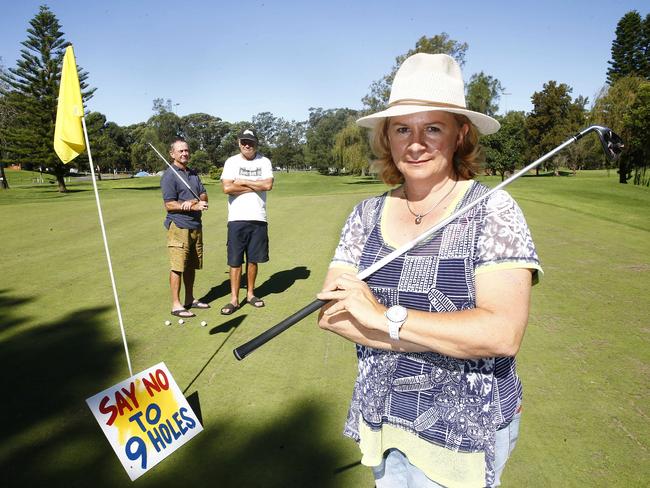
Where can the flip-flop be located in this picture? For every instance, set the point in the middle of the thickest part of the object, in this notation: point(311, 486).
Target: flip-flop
point(197, 304)
point(256, 302)
point(182, 313)
point(228, 309)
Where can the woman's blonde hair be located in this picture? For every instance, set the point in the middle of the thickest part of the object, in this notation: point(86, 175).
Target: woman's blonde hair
point(467, 158)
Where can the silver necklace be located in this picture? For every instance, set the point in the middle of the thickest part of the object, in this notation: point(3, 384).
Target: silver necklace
point(420, 216)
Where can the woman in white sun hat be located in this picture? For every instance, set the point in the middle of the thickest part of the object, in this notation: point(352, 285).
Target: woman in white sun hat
point(437, 399)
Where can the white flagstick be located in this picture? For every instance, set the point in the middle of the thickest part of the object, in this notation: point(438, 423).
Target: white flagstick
point(108, 254)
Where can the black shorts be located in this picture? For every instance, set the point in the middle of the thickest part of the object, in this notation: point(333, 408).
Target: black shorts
point(250, 238)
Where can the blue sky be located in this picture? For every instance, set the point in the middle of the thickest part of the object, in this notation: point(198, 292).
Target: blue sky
point(236, 59)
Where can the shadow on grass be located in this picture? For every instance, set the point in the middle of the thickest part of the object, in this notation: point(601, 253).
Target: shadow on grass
point(277, 283)
point(9, 306)
point(286, 452)
point(50, 437)
point(282, 280)
point(549, 173)
point(146, 188)
point(48, 370)
point(366, 180)
point(230, 326)
point(216, 292)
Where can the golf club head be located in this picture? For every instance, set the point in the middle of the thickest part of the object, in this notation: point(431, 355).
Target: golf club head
point(612, 143)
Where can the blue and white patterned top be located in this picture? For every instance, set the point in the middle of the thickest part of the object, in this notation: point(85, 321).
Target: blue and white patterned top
point(454, 403)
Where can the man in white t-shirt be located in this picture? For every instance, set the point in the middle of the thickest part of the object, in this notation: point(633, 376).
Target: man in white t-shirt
point(246, 178)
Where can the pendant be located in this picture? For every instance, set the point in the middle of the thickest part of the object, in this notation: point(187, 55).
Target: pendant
point(418, 219)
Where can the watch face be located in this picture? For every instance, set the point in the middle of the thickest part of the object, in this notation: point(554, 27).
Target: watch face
point(396, 313)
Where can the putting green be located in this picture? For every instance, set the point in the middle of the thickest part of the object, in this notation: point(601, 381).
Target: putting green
point(275, 419)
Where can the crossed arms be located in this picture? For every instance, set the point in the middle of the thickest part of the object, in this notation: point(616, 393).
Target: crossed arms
point(240, 186)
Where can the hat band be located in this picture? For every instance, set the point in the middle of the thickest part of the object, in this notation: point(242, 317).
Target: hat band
point(424, 103)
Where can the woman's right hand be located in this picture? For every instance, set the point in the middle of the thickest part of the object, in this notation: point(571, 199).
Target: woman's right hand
point(352, 295)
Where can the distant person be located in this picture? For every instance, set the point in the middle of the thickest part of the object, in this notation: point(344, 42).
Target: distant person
point(246, 178)
point(437, 399)
point(184, 229)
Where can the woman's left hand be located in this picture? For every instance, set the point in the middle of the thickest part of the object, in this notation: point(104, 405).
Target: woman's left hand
point(352, 295)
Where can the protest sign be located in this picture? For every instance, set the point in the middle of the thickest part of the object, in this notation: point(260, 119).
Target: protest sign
point(145, 418)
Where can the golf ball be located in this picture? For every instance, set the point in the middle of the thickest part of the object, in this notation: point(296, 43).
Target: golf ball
point(203, 323)
point(181, 321)
point(167, 322)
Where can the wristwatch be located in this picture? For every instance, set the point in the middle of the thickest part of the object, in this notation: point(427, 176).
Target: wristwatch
point(396, 316)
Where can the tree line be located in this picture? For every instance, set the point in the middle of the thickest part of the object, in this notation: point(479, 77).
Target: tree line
point(329, 141)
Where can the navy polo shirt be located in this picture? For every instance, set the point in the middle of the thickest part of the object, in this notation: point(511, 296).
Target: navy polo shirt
point(174, 190)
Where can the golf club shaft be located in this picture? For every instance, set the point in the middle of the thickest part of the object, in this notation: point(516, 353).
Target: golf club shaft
point(175, 172)
point(244, 350)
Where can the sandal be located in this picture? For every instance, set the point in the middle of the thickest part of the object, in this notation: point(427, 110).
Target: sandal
point(182, 313)
point(197, 304)
point(228, 309)
point(256, 302)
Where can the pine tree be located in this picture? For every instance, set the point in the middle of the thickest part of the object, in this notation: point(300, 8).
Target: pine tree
point(645, 46)
point(34, 87)
point(7, 114)
point(630, 48)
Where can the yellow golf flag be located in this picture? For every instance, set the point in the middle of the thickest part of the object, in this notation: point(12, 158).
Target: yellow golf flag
point(68, 134)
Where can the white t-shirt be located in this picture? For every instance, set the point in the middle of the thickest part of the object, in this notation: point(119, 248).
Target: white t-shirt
point(252, 205)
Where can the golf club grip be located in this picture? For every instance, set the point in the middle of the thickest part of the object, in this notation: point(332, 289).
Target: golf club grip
point(245, 349)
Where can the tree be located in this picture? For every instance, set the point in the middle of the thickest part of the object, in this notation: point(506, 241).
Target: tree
point(161, 106)
point(108, 144)
point(280, 140)
point(645, 57)
point(35, 80)
point(351, 150)
point(612, 108)
point(204, 132)
point(267, 127)
point(630, 48)
point(637, 122)
point(228, 145)
point(554, 117)
point(200, 161)
point(506, 149)
point(322, 127)
point(288, 145)
point(7, 114)
point(377, 99)
point(167, 126)
point(483, 93)
point(141, 155)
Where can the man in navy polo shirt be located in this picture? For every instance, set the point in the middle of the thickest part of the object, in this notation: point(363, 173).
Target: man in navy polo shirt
point(184, 230)
point(246, 178)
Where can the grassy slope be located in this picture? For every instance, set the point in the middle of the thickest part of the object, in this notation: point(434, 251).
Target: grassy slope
point(275, 418)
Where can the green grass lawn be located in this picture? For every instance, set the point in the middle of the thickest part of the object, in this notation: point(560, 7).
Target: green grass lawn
point(275, 419)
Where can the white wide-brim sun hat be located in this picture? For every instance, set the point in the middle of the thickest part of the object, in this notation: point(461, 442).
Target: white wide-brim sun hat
point(429, 82)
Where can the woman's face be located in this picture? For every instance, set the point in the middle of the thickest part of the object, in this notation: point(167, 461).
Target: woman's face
point(423, 144)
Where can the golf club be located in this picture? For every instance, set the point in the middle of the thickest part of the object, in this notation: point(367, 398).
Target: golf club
point(612, 145)
point(175, 172)
point(611, 142)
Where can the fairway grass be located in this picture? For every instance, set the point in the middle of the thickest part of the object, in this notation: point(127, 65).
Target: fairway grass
point(275, 419)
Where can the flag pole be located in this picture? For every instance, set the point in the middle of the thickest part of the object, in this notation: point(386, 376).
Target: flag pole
point(108, 254)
